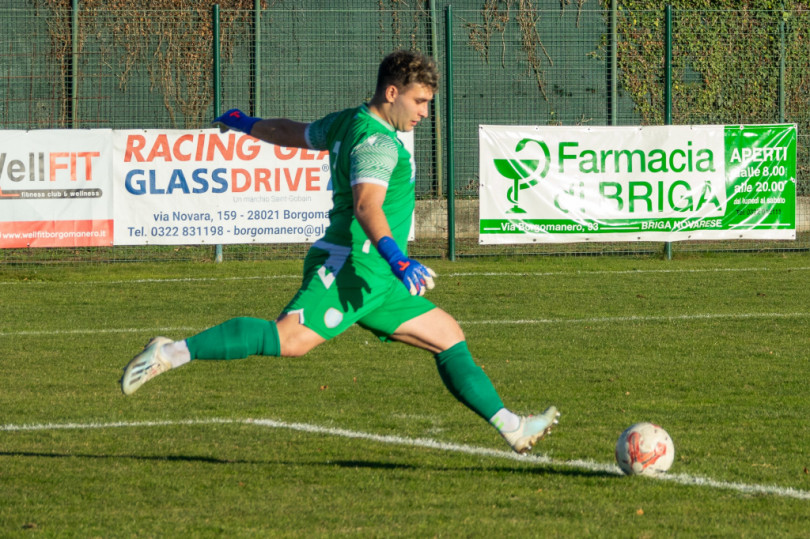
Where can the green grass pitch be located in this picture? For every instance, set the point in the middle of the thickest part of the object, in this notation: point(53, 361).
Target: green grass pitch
point(360, 438)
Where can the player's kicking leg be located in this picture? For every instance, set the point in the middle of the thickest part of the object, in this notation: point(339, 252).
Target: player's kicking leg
point(438, 332)
point(532, 429)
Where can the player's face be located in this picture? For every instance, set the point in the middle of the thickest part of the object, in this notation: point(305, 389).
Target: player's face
point(410, 106)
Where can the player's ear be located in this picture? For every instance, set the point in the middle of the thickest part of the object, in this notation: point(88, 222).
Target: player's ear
point(391, 93)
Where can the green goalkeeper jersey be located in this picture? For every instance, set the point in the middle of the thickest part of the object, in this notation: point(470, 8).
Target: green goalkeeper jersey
point(364, 148)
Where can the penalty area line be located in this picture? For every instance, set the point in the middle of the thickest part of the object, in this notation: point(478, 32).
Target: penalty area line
point(427, 443)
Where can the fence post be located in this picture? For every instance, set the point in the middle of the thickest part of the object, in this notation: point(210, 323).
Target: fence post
point(668, 88)
point(451, 181)
point(613, 95)
point(74, 63)
point(257, 54)
point(217, 78)
point(437, 110)
point(782, 65)
point(668, 66)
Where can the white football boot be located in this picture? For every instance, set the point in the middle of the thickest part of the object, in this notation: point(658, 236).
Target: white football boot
point(145, 366)
point(532, 429)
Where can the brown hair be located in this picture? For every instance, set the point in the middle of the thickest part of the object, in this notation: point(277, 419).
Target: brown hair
point(402, 68)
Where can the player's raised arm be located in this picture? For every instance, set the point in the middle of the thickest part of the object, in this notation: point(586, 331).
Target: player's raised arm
point(279, 131)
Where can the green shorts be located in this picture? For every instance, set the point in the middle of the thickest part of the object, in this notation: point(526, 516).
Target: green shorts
point(342, 287)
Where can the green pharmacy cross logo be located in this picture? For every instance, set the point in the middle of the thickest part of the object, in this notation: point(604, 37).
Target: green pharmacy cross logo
point(524, 173)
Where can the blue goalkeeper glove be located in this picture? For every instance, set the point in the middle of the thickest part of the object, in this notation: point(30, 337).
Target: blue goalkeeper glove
point(235, 119)
point(416, 277)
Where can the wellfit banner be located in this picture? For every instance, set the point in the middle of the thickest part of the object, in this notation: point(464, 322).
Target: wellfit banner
point(660, 183)
point(56, 189)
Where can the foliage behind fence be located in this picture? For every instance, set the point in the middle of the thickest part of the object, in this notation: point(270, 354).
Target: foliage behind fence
point(150, 65)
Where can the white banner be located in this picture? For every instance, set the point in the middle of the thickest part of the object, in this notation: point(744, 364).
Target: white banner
point(68, 188)
point(56, 188)
point(180, 187)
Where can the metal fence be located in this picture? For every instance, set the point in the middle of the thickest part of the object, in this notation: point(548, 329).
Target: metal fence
point(81, 65)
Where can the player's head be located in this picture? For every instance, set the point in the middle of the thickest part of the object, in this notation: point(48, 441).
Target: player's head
point(406, 82)
point(402, 68)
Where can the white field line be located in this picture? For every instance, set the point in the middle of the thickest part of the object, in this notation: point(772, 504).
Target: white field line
point(519, 322)
point(98, 331)
point(580, 273)
point(427, 443)
point(623, 319)
point(170, 280)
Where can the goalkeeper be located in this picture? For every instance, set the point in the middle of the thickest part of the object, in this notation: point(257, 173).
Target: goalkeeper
point(356, 272)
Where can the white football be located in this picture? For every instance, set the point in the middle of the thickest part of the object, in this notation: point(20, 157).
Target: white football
point(644, 449)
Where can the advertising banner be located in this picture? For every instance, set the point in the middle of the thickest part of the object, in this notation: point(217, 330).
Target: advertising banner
point(660, 183)
point(102, 187)
point(56, 190)
point(205, 187)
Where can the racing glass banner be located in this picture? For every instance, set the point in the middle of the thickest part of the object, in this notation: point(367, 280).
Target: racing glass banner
point(656, 183)
point(55, 190)
point(178, 187)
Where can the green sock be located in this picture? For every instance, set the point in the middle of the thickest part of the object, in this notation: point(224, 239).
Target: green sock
point(236, 338)
point(467, 381)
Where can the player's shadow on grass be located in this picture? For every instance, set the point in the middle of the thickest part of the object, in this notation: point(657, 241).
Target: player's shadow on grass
point(370, 465)
point(539, 469)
